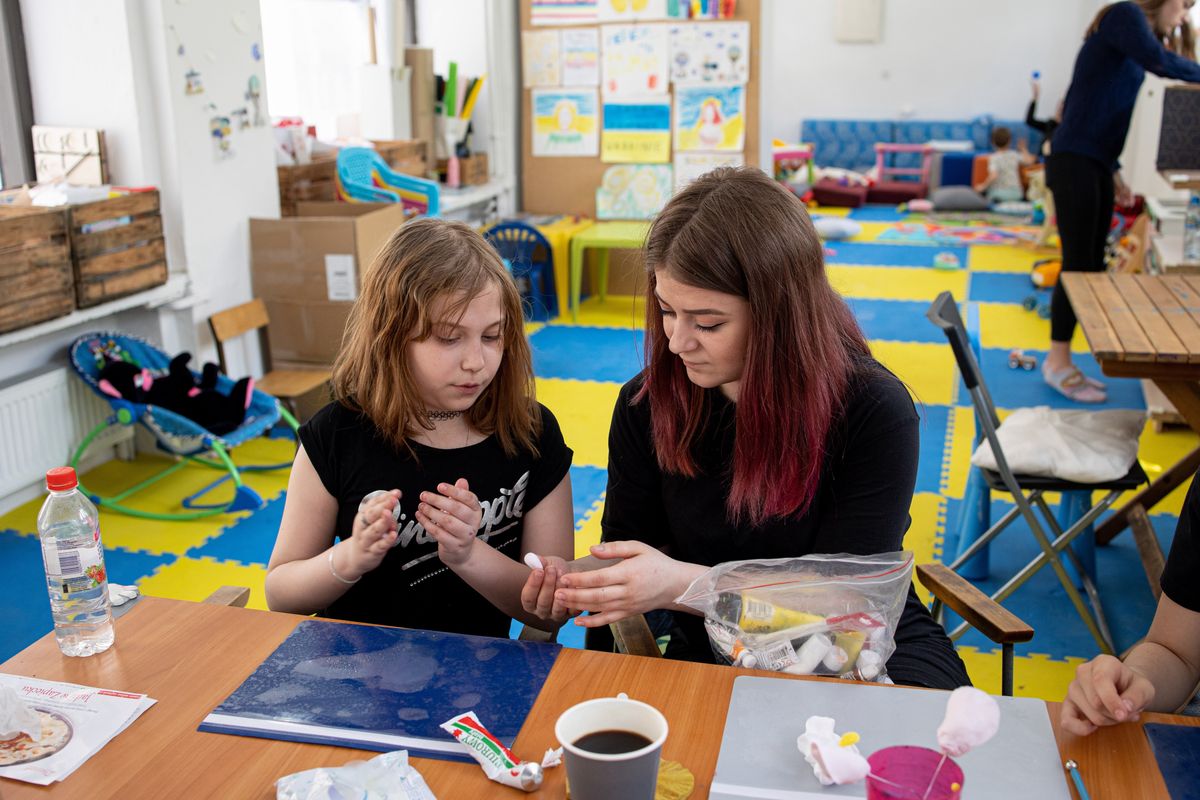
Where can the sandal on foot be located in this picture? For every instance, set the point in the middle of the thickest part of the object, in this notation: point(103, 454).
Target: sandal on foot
point(1074, 385)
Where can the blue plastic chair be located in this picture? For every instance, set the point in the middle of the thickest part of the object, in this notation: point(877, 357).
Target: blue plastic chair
point(528, 255)
point(364, 177)
point(173, 433)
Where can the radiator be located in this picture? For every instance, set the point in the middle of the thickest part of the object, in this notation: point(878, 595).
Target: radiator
point(42, 420)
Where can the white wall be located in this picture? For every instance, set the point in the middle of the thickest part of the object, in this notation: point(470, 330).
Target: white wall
point(938, 59)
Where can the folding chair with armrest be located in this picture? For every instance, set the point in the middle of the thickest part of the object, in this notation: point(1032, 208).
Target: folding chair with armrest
point(1027, 492)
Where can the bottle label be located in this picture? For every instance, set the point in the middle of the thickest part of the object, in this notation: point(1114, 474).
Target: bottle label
point(70, 571)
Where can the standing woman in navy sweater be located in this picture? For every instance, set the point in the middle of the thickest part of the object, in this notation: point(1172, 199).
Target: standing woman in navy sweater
point(1124, 41)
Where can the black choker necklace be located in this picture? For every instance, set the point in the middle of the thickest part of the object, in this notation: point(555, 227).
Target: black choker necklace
point(440, 416)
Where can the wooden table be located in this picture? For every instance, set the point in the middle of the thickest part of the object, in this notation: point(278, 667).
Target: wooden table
point(191, 656)
point(1145, 326)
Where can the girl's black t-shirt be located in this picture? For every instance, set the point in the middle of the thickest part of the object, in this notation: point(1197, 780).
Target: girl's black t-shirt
point(861, 507)
point(411, 588)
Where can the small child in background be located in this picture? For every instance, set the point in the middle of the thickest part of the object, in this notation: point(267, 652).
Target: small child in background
point(1003, 183)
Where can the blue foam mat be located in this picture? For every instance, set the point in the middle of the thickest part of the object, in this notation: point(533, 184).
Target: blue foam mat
point(1017, 388)
point(890, 255)
point(1003, 287)
point(933, 443)
point(895, 320)
point(587, 354)
point(878, 213)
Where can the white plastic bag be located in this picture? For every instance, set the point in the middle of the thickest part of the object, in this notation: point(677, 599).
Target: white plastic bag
point(811, 615)
point(1080, 446)
point(385, 777)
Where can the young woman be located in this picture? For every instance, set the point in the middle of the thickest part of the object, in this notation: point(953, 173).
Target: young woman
point(761, 426)
point(434, 403)
point(1124, 42)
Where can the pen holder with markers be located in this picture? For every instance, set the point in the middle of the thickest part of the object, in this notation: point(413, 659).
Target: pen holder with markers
point(450, 132)
point(832, 615)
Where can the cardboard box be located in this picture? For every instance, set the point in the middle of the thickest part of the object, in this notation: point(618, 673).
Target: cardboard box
point(308, 270)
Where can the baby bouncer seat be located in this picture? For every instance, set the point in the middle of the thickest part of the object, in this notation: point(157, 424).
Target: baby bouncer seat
point(186, 440)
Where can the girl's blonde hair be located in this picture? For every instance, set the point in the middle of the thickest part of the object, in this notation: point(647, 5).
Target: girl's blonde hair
point(424, 261)
point(1181, 40)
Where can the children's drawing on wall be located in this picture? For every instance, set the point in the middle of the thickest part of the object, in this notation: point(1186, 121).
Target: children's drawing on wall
point(636, 130)
point(241, 116)
point(254, 98)
point(221, 131)
point(635, 59)
point(562, 12)
point(631, 10)
point(540, 52)
point(689, 166)
point(633, 191)
point(192, 82)
point(710, 117)
point(565, 122)
point(581, 57)
point(714, 52)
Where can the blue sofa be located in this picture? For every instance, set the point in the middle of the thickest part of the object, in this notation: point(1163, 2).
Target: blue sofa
point(850, 143)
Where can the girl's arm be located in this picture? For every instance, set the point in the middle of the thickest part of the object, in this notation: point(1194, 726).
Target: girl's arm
point(299, 578)
point(1126, 28)
point(549, 531)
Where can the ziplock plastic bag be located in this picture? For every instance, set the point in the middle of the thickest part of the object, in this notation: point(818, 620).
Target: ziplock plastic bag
point(830, 615)
point(385, 777)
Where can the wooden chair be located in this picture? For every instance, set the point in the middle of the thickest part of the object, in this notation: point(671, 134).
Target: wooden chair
point(285, 384)
point(633, 637)
point(229, 596)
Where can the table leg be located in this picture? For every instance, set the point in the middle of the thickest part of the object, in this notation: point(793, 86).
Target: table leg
point(1185, 396)
point(576, 277)
point(602, 274)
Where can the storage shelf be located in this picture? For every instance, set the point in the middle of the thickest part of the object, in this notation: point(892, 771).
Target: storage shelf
point(457, 199)
point(176, 288)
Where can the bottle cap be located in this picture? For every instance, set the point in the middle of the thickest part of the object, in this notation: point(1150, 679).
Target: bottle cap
point(60, 479)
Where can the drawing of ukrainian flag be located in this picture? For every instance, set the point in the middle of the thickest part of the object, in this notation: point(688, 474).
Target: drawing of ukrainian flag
point(636, 131)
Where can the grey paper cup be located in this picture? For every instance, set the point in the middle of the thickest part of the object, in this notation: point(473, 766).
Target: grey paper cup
point(603, 776)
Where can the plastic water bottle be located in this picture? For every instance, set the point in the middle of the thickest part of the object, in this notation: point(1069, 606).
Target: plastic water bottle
point(69, 527)
point(1191, 230)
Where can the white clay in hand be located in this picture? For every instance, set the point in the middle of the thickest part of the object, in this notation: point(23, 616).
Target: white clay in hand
point(532, 561)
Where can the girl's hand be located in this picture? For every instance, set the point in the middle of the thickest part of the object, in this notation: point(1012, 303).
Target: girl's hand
point(644, 580)
point(1105, 692)
point(452, 518)
point(538, 593)
point(373, 534)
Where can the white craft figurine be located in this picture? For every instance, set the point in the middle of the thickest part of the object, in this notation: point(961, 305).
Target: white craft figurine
point(834, 758)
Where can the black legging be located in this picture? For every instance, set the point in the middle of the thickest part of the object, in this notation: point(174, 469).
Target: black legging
point(1083, 203)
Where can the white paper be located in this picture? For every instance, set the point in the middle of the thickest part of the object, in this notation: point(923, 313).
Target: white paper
point(562, 12)
point(566, 122)
point(77, 721)
point(689, 166)
point(540, 58)
point(710, 52)
point(340, 283)
point(580, 57)
point(634, 58)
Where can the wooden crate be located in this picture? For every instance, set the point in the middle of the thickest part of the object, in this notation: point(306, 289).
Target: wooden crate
point(472, 170)
point(35, 266)
point(128, 257)
point(317, 181)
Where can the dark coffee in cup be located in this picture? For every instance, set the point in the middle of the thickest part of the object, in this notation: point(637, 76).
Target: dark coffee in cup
point(612, 742)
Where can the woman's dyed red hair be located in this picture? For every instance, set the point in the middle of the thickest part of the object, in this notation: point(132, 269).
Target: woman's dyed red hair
point(736, 231)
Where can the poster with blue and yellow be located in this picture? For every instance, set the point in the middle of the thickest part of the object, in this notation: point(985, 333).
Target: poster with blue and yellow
point(636, 130)
point(566, 122)
point(710, 117)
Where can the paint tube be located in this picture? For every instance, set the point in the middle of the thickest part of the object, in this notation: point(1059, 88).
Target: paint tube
point(497, 761)
point(753, 615)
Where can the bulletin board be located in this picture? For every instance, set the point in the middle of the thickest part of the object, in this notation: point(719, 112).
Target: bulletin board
point(567, 184)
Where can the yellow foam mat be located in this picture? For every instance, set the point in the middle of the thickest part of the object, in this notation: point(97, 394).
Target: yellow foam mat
point(1159, 452)
point(587, 532)
point(1034, 675)
point(615, 311)
point(924, 537)
point(583, 410)
point(895, 283)
point(829, 211)
point(1007, 325)
point(927, 369)
point(197, 578)
point(956, 463)
point(1005, 258)
point(871, 231)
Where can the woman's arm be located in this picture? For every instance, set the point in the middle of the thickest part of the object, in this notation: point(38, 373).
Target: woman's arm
point(548, 530)
point(299, 575)
point(1127, 29)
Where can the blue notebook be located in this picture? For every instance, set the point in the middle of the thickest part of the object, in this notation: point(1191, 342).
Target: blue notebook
point(1177, 750)
point(385, 689)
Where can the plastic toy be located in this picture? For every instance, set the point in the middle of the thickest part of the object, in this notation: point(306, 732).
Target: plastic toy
point(364, 177)
point(1018, 360)
point(1045, 273)
point(946, 260)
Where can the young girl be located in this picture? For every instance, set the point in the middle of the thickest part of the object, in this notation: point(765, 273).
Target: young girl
point(434, 403)
point(761, 426)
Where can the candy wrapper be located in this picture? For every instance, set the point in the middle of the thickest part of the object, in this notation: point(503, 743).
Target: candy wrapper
point(385, 777)
point(497, 761)
point(814, 615)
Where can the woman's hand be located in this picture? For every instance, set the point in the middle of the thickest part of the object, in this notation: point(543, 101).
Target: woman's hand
point(1105, 692)
point(452, 518)
point(538, 593)
point(645, 579)
point(373, 534)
